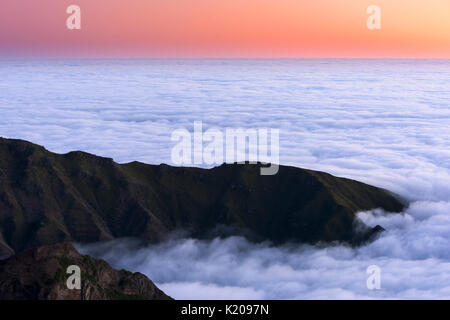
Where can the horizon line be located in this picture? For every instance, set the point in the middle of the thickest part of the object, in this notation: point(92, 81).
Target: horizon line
point(222, 58)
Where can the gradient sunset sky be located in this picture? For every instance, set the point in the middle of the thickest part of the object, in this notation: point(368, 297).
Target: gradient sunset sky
point(225, 28)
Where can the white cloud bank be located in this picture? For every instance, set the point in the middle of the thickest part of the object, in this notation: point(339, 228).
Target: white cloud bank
point(382, 122)
point(413, 255)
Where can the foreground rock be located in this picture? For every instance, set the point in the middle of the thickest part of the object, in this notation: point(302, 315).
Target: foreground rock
point(41, 274)
point(47, 198)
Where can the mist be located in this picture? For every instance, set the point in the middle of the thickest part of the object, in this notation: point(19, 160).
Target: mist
point(383, 122)
point(412, 254)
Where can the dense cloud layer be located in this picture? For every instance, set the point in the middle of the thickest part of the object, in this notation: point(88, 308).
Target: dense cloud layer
point(382, 122)
point(413, 256)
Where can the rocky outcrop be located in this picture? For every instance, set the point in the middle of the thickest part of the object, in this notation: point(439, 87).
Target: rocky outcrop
point(47, 198)
point(41, 274)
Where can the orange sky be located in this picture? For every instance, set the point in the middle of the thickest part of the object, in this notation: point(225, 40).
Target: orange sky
point(225, 28)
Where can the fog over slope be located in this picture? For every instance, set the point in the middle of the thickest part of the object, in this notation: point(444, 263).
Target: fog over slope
point(385, 123)
point(413, 256)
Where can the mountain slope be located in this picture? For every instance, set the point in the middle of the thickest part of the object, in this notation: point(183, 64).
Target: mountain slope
point(41, 274)
point(47, 198)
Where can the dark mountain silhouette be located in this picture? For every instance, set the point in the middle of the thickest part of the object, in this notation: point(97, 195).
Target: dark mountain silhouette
point(41, 274)
point(46, 198)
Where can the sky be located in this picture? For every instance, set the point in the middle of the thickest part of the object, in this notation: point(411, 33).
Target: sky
point(224, 28)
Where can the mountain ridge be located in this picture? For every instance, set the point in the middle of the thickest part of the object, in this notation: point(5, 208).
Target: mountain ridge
point(41, 274)
point(47, 198)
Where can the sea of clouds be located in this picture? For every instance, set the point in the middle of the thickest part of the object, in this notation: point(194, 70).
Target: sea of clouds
point(384, 122)
point(413, 256)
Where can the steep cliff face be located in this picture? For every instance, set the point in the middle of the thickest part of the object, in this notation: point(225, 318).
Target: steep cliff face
point(47, 198)
point(41, 274)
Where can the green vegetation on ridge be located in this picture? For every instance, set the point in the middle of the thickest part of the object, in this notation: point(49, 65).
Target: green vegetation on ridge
point(47, 198)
